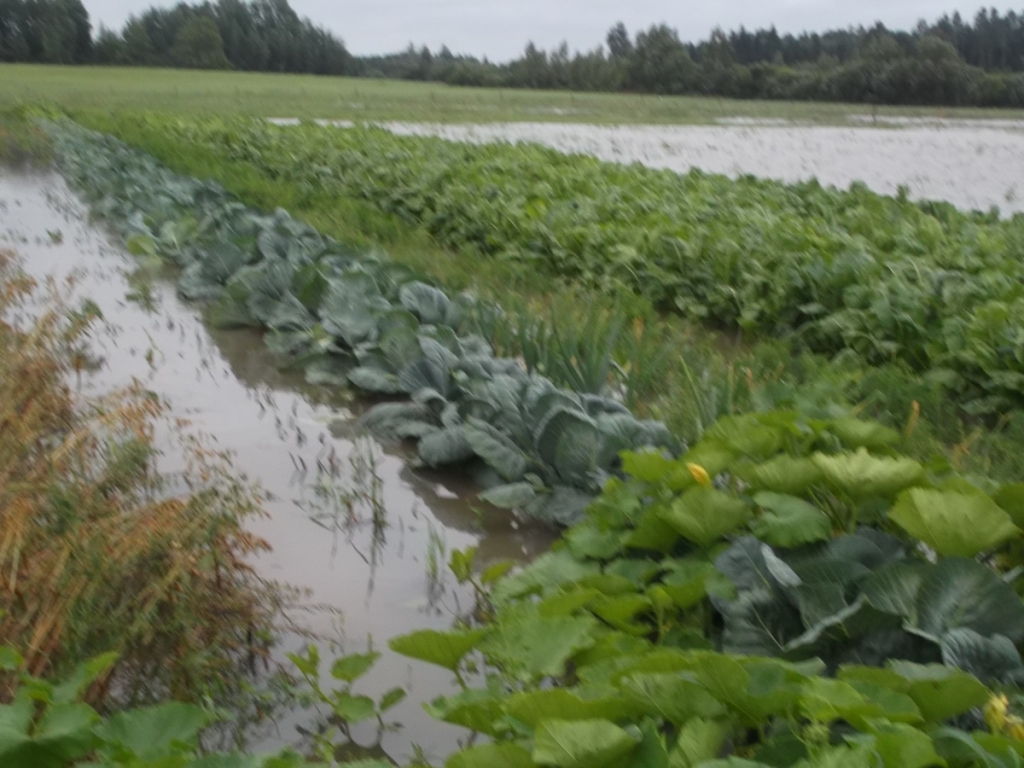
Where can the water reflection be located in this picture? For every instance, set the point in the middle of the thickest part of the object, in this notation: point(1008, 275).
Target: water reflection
point(348, 519)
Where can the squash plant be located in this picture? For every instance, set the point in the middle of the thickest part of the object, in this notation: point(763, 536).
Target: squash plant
point(48, 725)
point(790, 591)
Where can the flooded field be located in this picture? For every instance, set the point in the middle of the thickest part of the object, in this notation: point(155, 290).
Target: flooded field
point(348, 520)
point(972, 164)
point(971, 167)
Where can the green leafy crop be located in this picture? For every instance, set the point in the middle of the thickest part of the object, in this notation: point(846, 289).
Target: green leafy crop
point(879, 278)
point(353, 318)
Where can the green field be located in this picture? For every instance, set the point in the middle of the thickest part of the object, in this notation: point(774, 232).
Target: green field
point(277, 95)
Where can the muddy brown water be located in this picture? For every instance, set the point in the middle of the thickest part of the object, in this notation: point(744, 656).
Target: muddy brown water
point(367, 573)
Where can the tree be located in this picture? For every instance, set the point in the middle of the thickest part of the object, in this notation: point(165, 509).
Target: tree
point(619, 44)
point(138, 48)
point(198, 45)
point(109, 48)
point(660, 63)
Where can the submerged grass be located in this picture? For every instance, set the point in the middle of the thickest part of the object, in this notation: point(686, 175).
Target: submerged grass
point(101, 553)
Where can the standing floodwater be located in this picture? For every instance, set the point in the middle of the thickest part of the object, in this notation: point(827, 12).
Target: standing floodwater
point(348, 520)
point(971, 164)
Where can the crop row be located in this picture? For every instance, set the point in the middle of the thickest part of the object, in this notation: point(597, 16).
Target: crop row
point(790, 592)
point(352, 317)
point(851, 272)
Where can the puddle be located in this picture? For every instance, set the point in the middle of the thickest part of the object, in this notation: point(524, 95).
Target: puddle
point(971, 164)
point(369, 571)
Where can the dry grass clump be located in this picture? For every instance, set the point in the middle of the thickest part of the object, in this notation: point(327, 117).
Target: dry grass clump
point(98, 551)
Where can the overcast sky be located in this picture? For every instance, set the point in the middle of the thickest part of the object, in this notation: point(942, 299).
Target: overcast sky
point(500, 29)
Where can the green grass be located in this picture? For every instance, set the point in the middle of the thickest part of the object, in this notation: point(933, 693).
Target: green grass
point(277, 95)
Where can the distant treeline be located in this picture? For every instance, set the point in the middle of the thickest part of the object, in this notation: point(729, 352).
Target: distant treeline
point(261, 35)
point(950, 62)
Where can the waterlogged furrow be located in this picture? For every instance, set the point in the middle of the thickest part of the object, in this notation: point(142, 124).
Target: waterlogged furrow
point(354, 318)
point(874, 278)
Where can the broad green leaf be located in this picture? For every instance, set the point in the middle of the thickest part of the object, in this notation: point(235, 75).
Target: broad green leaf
point(374, 380)
point(350, 307)
point(727, 680)
point(141, 245)
point(783, 474)
point(964, 593)
point(864, 434)
point(429, 304)
point(861, 475)
point(902, 746)
point(851, 623)
point(511, 496)
point(895, 587)
point(893, 706)
point(563, 505)
point(445, 649)
point(940, 692)
point(746, 435)
point(473, 708)
point(788, 521)
point(493, 573)
point(587, 540)
point(352, 708)
point(825, 701)
point(498, 450)
point(990, 659)
point(953, 523)
point(10, 659)
point(461, 563)
point(391, 699)
point(675, 697)
point(531, 707)
point(350, 668)
point(444, 447)
point(845, 756)
point(1011, 499)
point(619, 611)
point(700, 740)
point(652, 752)
point(704, 515)
point(638, 571)
point(229, 760)
point(85, 674)
point(653, 532)
point(581, 743)
point(63, 735)
point(687, 581)
point(491, 756)
point(548, 572)
point(760, 622)
point(713, 456)
point(150, 732)
point(537, 646)
point(567, 603)
point(649, 466)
